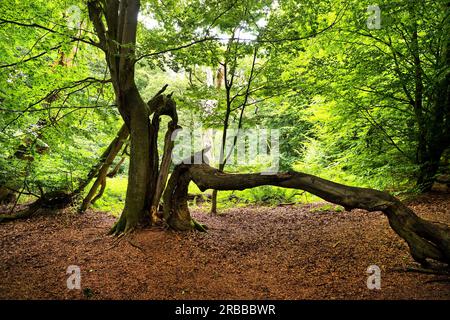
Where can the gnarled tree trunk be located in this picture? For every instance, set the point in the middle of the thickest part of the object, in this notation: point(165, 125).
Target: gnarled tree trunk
point(115, 23)
point(146, 179)
point(426, 240)
point(163, 170)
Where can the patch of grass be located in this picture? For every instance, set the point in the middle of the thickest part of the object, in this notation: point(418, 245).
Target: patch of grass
point(113, 199)
point(25, 199)
point(193, 189)
point(328, 207)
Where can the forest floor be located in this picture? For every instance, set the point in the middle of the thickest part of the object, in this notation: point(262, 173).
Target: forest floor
point(286, 252)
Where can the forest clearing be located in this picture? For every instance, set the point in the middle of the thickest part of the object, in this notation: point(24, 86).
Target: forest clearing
point(266, 150)
point(289, 252)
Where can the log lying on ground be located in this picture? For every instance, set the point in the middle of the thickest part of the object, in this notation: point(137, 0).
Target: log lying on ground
point(50, 200)
point(61, 199)
point(426, 240)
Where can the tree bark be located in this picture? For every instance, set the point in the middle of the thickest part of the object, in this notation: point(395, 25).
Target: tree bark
point(140, 166)
point(145, 179)
point(119, 164)
point(426, 240)
point(429, 166)
point(101, 169)
point(163, 170)
point(433, 134)
point(115, 23)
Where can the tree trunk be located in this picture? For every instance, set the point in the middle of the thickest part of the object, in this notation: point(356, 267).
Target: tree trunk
point(145, 179)
point(119, 164)
point(214, 202)
point(101, 169)
point(432, 122)
point(139, 170)
point(229, 100)
point(428, 170)
point(163, 170)
point(437, 139)
point(426, 240)
point(115, 23)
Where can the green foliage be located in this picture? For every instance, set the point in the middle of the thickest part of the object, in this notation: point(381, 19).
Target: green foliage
point(269, 195)
point(339, 93)
point(56, 112)
point(263, 196)
point(355, 86)
point(328, 207)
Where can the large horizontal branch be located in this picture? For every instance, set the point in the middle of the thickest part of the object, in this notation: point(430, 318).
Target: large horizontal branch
point(425, 239)
point(206, 177)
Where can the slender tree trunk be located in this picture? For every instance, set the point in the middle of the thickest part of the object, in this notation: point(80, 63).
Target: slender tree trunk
point(432, 131)
point(119, 164)
point(437, 138)
point(228, 85)
point(101, 169)
point(214, 202)
point(222, 159)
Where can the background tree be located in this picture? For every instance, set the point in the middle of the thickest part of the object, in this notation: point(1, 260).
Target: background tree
point(54, 99)
point(379, 97)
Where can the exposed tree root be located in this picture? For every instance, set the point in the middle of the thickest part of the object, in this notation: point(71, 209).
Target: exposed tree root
point(447, 280)
point(122, 226)
point(136, 246)
point(441, 271)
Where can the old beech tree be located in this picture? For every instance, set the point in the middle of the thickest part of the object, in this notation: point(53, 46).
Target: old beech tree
point(115, 23)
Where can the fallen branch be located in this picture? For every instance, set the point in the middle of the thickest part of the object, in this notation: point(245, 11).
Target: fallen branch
point(426, 240)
